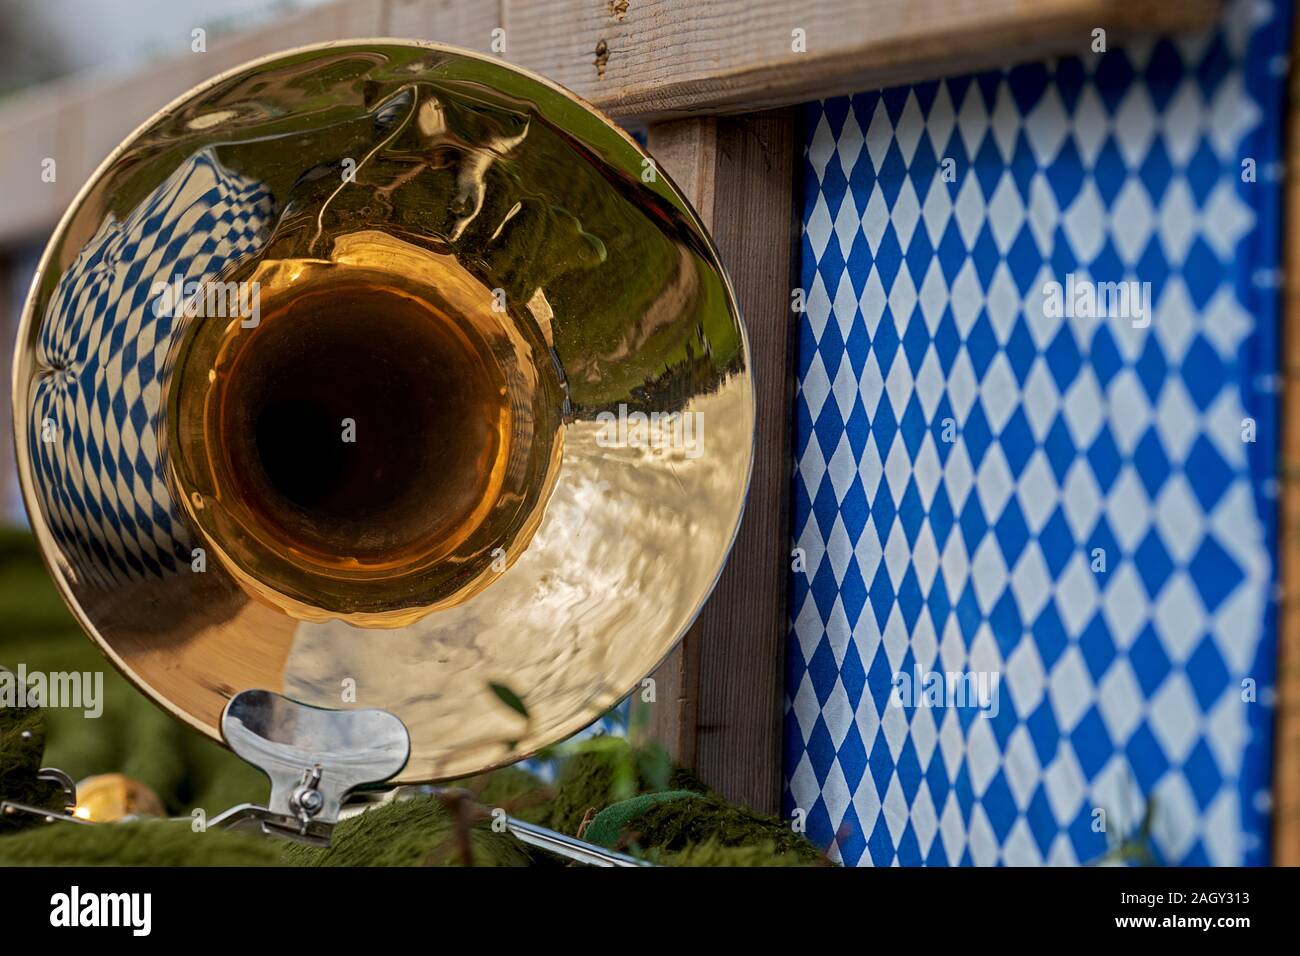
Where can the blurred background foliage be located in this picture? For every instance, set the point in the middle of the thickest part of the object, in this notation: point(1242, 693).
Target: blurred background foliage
point(132, 736)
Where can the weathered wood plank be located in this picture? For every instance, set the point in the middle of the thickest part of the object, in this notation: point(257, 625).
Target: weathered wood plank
point(658, 59)
point(720, 694)
point(687, 151)
point(650, 59)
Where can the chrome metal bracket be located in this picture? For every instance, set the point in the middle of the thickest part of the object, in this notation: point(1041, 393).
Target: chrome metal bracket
point(314, 757)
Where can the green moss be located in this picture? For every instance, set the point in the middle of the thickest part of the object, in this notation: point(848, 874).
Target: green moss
point(676, 831)
point(518, 792)
point(682, 779)
point(416, 832)
point(594, 778)
point(608, 826)
point(677, 825)
point(681, 828)
point(22, 741)
point(585, 782)
point(146, 843)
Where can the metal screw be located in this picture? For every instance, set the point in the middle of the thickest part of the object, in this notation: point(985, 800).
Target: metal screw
point(306, 800)
point(309, 801)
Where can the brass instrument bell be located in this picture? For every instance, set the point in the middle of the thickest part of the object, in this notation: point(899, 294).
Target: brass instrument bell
point(380, 374)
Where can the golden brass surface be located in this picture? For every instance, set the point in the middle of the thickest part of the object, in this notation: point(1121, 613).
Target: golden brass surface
point(470, 407)
point(110, 797)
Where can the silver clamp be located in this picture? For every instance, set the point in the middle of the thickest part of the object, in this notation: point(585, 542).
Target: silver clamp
point(314, 758)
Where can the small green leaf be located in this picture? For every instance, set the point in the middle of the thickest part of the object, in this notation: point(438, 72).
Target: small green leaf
point(509, 698)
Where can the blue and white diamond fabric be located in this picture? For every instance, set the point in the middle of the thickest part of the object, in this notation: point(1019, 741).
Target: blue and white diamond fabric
point(1032, 615)
point(91, 432)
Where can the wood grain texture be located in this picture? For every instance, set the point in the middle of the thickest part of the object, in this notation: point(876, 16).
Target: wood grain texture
point(659, 59)
point(687, 151)
point(652, 59)
point(1286, 727)
point(467, 25)
point(720, 695)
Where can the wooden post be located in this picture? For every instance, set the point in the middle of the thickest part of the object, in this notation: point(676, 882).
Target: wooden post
point(719, 696)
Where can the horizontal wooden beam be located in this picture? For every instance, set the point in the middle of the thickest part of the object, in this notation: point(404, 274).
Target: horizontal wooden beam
point(652, 59)
point(638, 60)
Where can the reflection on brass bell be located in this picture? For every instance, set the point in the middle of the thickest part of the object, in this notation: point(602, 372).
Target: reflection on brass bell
point(111, 797)
point(379, 373)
